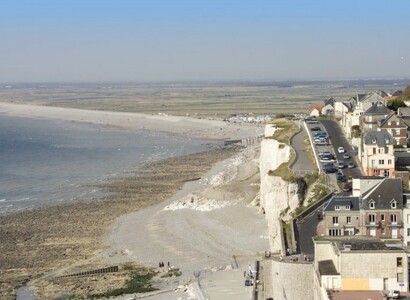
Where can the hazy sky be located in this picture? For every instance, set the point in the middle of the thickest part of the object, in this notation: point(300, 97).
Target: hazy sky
point(172, 40)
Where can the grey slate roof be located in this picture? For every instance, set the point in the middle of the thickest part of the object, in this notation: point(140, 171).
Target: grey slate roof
point(381, 138)
point(353, 202)
point(383, 194)
point(397, 93)
point(392, 117)
point(330, 101)
point(360, 243)
point(377, 108)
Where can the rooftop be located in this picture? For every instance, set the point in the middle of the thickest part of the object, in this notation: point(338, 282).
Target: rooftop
point(360, 243)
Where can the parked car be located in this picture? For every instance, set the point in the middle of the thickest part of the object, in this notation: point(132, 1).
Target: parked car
point(341, 164)
point(347, 187)
point(393, 294)
point(326, 153)
point(319, 134)
point(350, 165)
point(311, 120)
point(341, 150)
point(316, 128)
point(327, 159)
point(346, 155)
point(340, 177)
point(329, 168)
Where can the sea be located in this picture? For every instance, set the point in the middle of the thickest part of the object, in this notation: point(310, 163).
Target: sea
point(48, 162)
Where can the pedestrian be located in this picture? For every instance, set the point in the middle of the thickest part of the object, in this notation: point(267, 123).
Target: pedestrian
point(244, 274)
point(168, 264)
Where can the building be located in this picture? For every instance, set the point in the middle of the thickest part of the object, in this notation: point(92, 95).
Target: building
point(360, 263)
point(397, 128)
point(376, 153)
point(371, 118)
point(381, 209)
point(341, 216)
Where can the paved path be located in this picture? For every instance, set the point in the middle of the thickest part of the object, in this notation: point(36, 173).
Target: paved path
point(302, 163)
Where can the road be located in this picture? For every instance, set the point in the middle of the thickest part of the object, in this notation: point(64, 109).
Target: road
point(338, 139)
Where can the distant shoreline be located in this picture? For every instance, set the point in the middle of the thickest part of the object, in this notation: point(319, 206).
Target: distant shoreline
point(186, 126)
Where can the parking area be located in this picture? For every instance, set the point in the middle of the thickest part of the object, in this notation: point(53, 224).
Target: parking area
point(338, 159)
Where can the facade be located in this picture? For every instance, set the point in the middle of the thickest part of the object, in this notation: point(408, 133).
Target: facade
point(377, 154)
point(361, 264)
point(406, 223)
point(397, 128)
point(368, 100)
point(328, 110)
point(341, 216)
point(372, 117)
point(381, 210)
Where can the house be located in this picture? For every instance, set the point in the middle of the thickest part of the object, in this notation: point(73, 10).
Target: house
point(315, 110)
point(328, 110)
point(376, 153)
point(341, 216)
point(381, 210)
point(406, 221)
point(371, 118)
point(367, 101)
point(360, 264)
point(397, 128)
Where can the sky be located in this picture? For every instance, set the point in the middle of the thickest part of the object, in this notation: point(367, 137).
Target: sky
point(195, 40)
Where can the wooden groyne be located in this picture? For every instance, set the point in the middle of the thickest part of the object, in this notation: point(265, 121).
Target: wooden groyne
point(112, 269)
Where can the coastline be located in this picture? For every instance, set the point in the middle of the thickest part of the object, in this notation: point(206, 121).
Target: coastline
point(187, 126)
point(58, 237)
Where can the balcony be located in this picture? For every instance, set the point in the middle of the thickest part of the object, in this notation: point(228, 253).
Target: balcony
point(372, 224)
point(394, 224)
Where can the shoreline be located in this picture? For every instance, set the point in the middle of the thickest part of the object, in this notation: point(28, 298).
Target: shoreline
point(39, 241)
point(186, 126)
point(73, 233)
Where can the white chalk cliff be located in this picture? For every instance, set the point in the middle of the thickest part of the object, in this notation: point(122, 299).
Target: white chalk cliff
point(276, 194)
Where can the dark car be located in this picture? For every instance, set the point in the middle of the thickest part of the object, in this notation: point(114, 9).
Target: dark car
point(329, 168)
point(340, 177)
point(347, 187)
point(316, 128)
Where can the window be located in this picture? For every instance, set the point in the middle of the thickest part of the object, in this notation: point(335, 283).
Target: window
point(348, 220)
point(397, 123)
point(335, 232)
point(337, 207)
point(372, 218)
point(347, 207)
point(387, 150)
point(400, 277)
point(408, 219)
point(335, 220)
point(393, 204)
point(389, 161)
point(389, 123)
point(374, 150)
point(399, 261)
point(383, 231)
point(372, 204)
point(382, 217)
point(393, 218)
point(408, 231)
point(381, 161)
point(373, 162)
point(397, 131)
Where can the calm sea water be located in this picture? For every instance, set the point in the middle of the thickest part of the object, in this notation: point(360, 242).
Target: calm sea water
point(46, 162)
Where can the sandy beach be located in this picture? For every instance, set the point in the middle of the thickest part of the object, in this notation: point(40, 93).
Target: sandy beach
point(193, 224)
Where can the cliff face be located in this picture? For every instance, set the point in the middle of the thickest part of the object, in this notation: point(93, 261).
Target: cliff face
point(276, 195)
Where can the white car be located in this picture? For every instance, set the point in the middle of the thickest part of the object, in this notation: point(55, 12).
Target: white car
point(341, 150)
point(393, 294)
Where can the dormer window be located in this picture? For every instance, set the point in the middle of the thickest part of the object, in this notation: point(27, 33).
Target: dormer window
point(372, 204)
point(393, 204)
point(337, 207)
point(374, 141)
point(347, 207)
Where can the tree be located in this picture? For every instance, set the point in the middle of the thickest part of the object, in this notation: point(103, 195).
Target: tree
point(395, 104)
point(356, 131)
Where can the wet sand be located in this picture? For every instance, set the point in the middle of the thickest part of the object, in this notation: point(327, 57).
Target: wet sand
point(53, 240)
